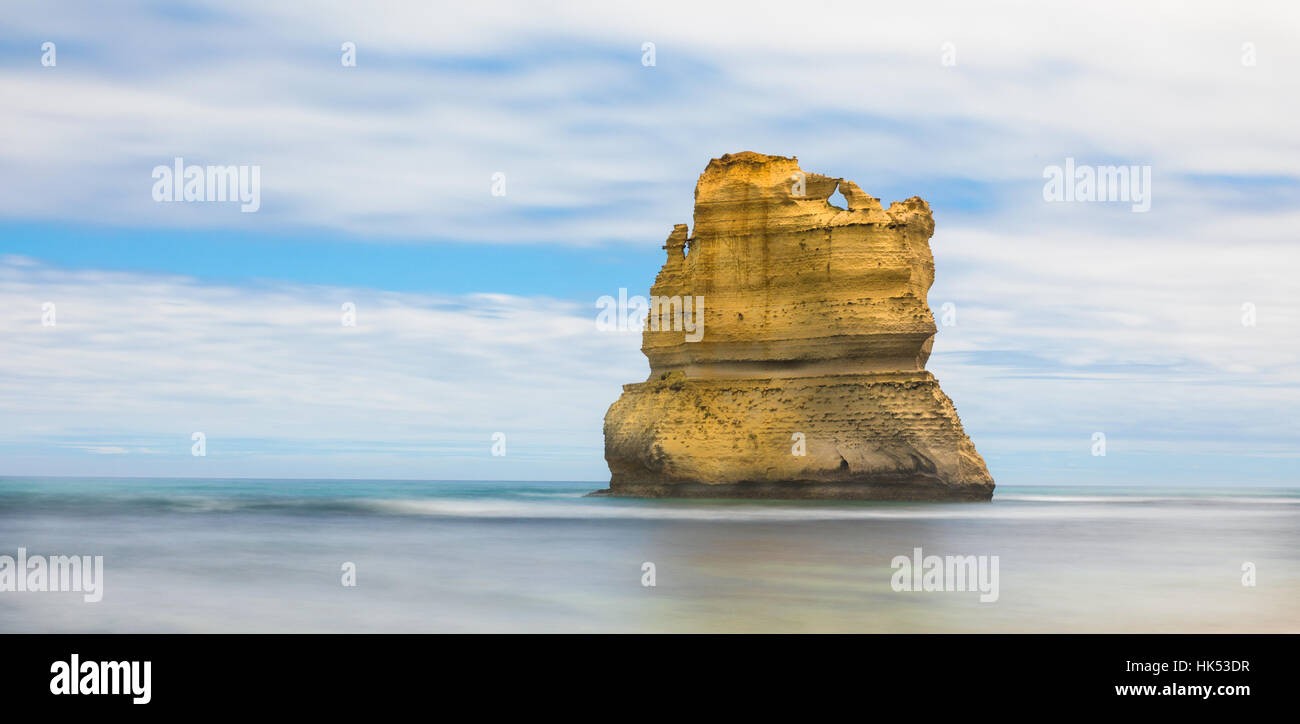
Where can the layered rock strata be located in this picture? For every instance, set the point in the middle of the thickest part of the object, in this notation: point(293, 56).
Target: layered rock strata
point(805, 377)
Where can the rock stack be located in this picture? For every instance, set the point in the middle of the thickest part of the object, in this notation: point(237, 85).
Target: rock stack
point(807, 379)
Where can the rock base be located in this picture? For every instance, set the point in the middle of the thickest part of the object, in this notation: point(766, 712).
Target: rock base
point(886, 436)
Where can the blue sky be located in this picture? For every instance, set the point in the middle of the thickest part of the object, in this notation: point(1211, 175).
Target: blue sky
point(476, 312)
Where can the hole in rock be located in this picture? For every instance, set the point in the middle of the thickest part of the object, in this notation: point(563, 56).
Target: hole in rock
point(838, 201)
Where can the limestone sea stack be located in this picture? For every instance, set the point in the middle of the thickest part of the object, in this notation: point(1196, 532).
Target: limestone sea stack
point(804, 374)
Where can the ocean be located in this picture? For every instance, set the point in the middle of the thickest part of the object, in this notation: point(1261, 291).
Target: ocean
point(201, 555)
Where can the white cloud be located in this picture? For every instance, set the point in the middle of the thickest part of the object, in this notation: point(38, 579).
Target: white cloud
point(271, 371)
point(1073, 318)
point(107, 450)
point(405, 143)
point(279, 386)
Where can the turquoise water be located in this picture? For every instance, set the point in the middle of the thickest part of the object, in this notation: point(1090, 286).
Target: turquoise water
point(266, 555)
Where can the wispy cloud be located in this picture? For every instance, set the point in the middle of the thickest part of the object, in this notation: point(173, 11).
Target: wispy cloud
point(443, 96)
point(106, 450)
point(273, 371)
point(279, 385)
point(1071, 318)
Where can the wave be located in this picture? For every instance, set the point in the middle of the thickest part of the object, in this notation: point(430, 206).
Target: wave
point(1220, 499)
point(573, 506)
point(742, 512)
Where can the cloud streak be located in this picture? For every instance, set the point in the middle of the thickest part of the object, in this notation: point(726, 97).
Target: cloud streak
point(135, 363)
point(404, 144)
point(1072, 318)
point(273, 370)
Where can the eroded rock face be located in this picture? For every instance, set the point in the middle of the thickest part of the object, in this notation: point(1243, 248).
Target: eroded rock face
point(815, 337)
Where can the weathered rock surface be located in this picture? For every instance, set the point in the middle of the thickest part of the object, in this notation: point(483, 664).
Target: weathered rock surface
point(815, 337)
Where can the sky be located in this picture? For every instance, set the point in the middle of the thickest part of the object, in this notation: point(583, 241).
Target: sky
point(1173, 332)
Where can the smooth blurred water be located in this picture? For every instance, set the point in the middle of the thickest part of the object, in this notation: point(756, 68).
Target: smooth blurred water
point(265, 555)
